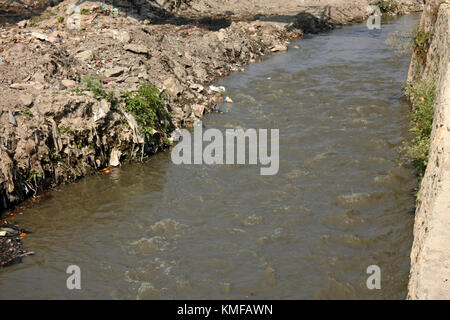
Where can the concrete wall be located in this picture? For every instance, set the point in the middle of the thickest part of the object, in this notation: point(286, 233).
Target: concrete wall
point(430, 254)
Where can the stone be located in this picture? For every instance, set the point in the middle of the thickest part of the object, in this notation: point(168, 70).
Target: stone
point(20, 86)
point(85, 56)
point(26, 100)
point(122, 36)
point(221, 34)
point(172, 86)
point(198, 110)
point(197, 87)
point(279, 48)
point(68, 83)
point(39, 36)
point(114, 72)
point(22, 24)
point(136, 48)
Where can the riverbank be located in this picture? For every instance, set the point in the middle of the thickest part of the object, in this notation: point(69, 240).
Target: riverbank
point(64, 110)
point(430, 257)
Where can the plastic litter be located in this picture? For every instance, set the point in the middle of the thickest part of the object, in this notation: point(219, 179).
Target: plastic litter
point(229, 100)
point(100, 114)
point(217, 89)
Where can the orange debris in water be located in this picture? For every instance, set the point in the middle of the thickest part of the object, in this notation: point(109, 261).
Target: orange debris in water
point(23, 234)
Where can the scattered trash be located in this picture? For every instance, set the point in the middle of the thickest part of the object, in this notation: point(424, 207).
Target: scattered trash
point(114, 159)
point(228, 100)
point(296, 47)
point(95, 21)
point(217, 89)
point(92, 18)
point(115, 11)
point(100, 114)
point(11, 248)
point(11, 117)
point(1, 59)
point(103, 6)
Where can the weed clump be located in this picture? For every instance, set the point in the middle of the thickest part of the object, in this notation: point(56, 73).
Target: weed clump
point(421, 43)
point(422, 95)
point(95, 85)
point(387, 6)
point(147, 105)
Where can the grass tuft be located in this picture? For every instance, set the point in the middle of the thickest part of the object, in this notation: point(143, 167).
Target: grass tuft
point(422, 95)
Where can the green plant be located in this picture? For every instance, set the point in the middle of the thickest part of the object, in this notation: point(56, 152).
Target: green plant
point(400, 42)
point(422, 95)
point(387, 6)
point(27, 113)
point(60, 19)
point(67, 130)
point(147, 105)
point(421, 43)
point(85, 11)
point(95, 85)
point(33, 177)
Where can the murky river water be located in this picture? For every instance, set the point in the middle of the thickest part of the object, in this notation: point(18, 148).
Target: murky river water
point(342, 200)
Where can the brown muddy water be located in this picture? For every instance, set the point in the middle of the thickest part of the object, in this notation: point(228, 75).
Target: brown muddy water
point(343, 198)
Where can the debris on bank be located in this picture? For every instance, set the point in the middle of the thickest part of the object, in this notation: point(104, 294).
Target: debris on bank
point(66, 93)
point(11, 248)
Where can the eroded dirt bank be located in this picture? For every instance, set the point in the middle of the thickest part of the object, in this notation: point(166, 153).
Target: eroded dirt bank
point(430, 256)
point(64, 110)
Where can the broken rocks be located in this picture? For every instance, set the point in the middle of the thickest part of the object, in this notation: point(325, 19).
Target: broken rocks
point(114, 72)
point(136, 48)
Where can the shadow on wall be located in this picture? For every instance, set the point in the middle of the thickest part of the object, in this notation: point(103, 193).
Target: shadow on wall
point(167, 12)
